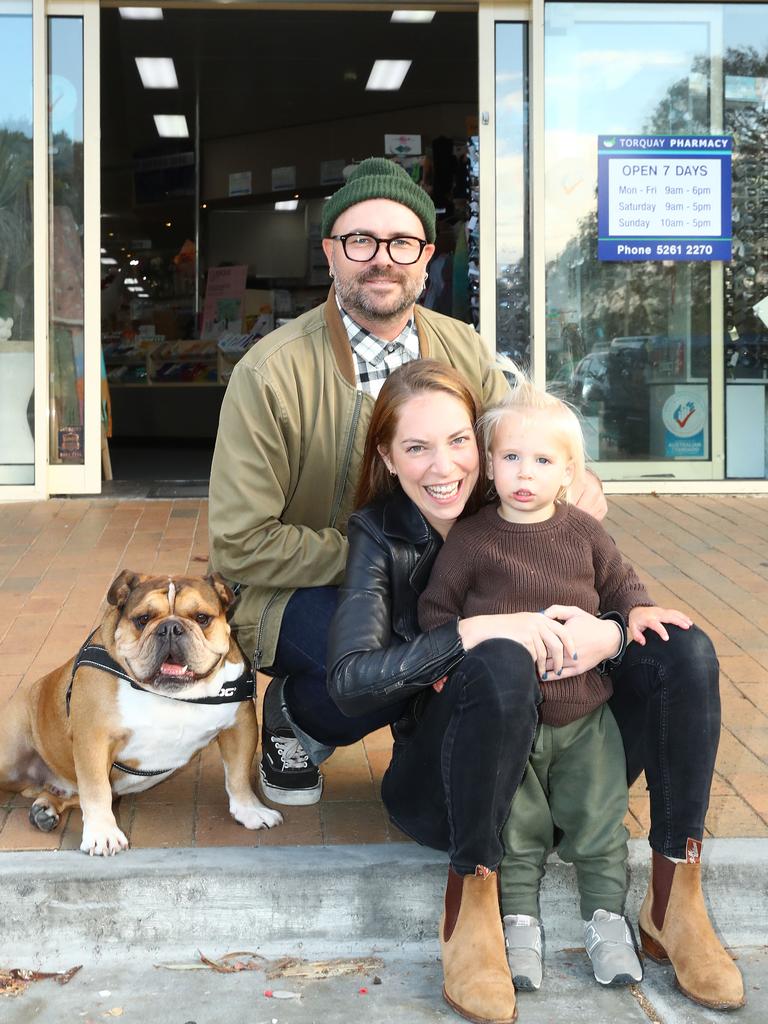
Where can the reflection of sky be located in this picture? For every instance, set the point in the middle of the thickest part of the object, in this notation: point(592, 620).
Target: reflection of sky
point(510, 142)
point(607, 70)
point(66, 58)
point(746, 25)
point(16, 72)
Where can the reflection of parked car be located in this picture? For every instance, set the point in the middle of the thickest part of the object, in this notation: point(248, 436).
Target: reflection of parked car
point(637, 341)
point(589, 380)
point(614, 382)
point(665, 355)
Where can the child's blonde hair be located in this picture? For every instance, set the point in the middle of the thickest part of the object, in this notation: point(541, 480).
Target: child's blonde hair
point(525, 397)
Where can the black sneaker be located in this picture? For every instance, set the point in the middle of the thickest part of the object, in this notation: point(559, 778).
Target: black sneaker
point(287, 774)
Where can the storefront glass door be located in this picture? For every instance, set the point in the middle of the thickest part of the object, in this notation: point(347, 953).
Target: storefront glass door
point(745, 285)
point(17, 324)
point(74, 413)
point(632, 343)
point(67, 281)
point(49, 221)
point(513, 328)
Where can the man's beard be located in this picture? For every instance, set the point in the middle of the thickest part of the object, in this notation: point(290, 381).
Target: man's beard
point(356, 299)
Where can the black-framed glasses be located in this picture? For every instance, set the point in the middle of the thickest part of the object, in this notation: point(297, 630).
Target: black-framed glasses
point(362, 248)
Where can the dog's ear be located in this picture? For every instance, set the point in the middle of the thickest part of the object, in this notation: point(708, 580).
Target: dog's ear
point(225, 593)
point(121, 589)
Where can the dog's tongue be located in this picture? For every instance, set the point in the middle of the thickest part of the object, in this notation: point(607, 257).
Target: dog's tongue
point(168, 668)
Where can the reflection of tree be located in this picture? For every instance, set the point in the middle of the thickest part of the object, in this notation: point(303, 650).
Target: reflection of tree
point(747, 62)
point(513, 331)
point(606, 299)
point(16, 269)
point(67, 174)
point(619, 298)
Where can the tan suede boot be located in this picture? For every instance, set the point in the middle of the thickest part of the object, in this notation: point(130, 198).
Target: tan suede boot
point(675, 927)
point(477, 980)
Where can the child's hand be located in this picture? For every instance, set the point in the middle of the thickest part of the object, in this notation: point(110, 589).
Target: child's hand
point(642, 618)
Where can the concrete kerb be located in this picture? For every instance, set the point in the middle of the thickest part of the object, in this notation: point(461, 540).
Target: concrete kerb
point(333, 900)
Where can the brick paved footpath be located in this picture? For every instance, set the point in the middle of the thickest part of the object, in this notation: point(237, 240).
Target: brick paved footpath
point(705, 555)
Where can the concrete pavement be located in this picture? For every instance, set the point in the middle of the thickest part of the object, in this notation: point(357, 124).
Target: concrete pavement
point(121, 916)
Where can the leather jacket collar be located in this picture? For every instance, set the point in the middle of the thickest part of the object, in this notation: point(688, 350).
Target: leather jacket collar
point(401, 519)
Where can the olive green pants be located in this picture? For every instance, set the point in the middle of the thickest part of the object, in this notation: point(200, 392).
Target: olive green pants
point(575, 783)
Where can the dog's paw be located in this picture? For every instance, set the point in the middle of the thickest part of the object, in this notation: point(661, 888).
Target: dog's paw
point(43, 816)
point(104, 841)
point(256, 815)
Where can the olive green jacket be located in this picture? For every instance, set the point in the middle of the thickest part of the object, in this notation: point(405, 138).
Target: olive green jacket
point(288, 454)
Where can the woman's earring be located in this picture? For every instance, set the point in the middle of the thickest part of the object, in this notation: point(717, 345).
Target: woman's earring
point(392, 472)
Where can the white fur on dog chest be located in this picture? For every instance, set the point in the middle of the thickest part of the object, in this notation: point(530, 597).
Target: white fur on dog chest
point(165, 733)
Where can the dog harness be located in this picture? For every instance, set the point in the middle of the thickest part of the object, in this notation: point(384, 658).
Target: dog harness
point(235, 692)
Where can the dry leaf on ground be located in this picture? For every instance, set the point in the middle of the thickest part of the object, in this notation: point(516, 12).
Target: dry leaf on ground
point(292, 967)
point(15, 980)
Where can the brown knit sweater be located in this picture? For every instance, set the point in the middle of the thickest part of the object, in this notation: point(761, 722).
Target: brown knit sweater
point(488, 565)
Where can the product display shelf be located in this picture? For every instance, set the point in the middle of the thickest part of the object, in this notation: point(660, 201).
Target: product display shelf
point(161, 364)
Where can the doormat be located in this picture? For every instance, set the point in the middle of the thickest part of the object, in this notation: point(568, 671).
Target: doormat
point(178, 489)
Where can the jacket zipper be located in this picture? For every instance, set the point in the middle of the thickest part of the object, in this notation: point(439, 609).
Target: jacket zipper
point(347, 458)
point(258, 650)
point(425, 668)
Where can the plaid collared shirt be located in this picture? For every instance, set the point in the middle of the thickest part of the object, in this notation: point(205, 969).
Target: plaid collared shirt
point(376, 359)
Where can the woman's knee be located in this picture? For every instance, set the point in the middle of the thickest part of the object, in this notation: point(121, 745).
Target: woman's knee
point(502, 671)
point(689, 659)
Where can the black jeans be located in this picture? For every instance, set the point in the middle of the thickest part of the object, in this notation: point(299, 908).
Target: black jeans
point(301, 657)
point(666, 702)
point(452, 778)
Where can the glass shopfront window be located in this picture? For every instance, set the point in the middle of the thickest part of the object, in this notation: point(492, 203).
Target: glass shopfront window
point(17, 447)
point(513, 328)
point(745, 285)
point(629, 341)
point(67, 281)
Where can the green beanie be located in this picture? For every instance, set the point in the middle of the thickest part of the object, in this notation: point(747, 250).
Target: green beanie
point(378, 178)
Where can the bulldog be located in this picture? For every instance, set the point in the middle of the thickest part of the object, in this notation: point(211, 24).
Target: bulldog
point(153, 684)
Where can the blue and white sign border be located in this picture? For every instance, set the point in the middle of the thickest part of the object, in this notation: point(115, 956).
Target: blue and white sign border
point(612, 247)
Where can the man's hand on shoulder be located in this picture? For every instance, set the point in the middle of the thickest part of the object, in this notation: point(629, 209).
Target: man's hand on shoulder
point(592, 499)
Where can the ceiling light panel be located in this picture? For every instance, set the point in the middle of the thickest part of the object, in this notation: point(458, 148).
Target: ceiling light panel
point(413, 17)
point(141, 13)
point(157, 72)
point(387, 75)
point(171, 126)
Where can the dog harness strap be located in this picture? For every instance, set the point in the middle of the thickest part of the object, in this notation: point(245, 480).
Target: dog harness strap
point(138, 771)
point(234, 692)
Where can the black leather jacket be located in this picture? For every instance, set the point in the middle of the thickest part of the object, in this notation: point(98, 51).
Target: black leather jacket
point(377, 655)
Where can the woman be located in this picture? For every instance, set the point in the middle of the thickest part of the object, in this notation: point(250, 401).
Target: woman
point(461, 748)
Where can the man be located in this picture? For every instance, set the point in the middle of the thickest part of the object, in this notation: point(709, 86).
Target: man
point(289, 445)
point(284, 473)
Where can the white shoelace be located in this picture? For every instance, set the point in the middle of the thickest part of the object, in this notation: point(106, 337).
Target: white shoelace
point(291, 752)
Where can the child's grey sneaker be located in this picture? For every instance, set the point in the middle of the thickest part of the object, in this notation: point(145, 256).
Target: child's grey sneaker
point(523, 935)
point(611, 947)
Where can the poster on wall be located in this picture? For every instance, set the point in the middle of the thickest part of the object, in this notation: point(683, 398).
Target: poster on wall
point(402, 145)
point(240, 183)
point(664, 197)
point(224, 297)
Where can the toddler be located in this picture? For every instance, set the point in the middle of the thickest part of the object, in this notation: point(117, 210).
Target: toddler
point(524, 552)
